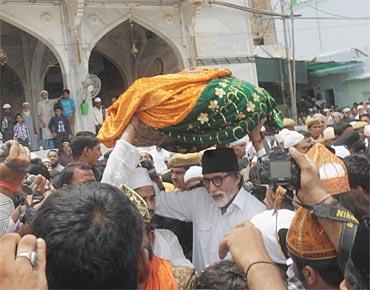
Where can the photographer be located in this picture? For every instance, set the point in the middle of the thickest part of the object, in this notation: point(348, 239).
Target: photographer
point(246, 246)
point(15, 160)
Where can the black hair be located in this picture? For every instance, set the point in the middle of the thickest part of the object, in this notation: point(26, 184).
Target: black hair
point(36, 161)
point(15, 118)
point(304, 133)
point(66, 91)
point(150, 155)
point(85, 134)
point(82, 140)
point(93, 235)
point(355, 278)
point(222, 275)
point(356, 202)
point(52, 150)
point(358, 171)
point(328, 269)
point(58, 106)
point(66, 175)
point(41, 169)
point(339, 128)
point(364, 115)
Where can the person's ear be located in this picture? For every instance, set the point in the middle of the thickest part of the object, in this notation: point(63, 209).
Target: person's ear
point(238, 177)
point(143, 265)
point(86, 150)
point(309, 275)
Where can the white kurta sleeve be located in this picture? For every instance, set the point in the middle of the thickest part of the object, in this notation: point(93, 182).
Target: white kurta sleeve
point(177, 258)
point(95, 117)
point(121, 163)
point(6, 210)
point(179, 205)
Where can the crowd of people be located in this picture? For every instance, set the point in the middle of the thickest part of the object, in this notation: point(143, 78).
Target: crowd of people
point(147, 218)
point(51, 126)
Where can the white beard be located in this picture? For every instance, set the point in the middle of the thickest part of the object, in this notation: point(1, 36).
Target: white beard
point(27, 113)
point(221, 201)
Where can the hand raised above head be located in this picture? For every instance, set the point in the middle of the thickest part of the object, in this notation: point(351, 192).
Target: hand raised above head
point(311, 190)
point(18, 154)
point(132, 129)
point(14, 166)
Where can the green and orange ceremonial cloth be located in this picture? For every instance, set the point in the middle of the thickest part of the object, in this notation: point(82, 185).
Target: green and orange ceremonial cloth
point(191, 110)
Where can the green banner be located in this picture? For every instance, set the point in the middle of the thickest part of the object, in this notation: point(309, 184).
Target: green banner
point(297, 2)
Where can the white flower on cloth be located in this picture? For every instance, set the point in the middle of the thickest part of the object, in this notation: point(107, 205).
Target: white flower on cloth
point(220, 92)
point(259, 90)
point(203, 118)
point(251, 107)
point(256, 97)
point(223, 84)
point(240, 116)
point(190, 127)
point(213, 105)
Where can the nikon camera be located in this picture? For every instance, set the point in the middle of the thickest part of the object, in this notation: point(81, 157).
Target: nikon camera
point(278, 169)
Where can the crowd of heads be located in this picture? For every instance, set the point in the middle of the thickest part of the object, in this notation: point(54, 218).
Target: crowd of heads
point(102, 236)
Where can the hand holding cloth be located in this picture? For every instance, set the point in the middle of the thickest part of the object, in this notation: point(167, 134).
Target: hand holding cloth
point(190, 110)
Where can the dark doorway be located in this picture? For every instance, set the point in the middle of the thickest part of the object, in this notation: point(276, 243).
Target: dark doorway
point(112, 83)
point(53, 81)
point(11, 88)
point(329, 97)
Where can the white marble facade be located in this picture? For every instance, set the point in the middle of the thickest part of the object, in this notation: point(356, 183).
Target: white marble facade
point(179, 33)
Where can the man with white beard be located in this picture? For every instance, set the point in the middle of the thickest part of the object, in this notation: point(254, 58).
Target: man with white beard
point(214, 209)
point(30, 121)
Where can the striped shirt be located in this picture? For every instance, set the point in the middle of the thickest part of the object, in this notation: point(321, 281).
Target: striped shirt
point(21, 131)
point(6, 210)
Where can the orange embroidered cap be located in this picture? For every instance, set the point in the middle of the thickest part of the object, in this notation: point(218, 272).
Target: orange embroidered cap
point(306, 239)
point(332, 170)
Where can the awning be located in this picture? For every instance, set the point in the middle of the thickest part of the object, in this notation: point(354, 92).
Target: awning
point(327, 68)
point(275, 70)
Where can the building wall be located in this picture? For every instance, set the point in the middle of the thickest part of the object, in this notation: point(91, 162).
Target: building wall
point(345, 92)
point(263, 27)
point(71, 30)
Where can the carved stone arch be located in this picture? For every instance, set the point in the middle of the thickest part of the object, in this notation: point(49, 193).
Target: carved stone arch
point(123, 72)
point(41, 36)
point(144, 23)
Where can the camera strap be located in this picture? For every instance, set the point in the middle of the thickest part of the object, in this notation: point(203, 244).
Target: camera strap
point(349, 229)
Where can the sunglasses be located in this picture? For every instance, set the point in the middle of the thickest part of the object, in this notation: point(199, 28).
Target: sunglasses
point(216, 180)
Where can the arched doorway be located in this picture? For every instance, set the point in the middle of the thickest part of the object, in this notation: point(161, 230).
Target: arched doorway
point(53, 81)
point(112, 83)
point(11, 88)
point(35, 64)
point(136, 51)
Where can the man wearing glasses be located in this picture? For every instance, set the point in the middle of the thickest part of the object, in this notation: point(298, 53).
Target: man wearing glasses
point(214, 209)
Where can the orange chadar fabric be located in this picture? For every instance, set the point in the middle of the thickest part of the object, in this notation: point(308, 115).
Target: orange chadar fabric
point(161, 101)
point(160, 276)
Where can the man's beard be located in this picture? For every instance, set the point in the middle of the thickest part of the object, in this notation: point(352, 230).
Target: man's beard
point(222, 198)
point(27, 113)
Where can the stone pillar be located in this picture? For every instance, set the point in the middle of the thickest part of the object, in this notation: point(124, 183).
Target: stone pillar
point(77, 64)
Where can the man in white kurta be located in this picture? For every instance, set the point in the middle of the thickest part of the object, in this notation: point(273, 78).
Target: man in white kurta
point(45, 111)
point(166, 244)
point(214, 211)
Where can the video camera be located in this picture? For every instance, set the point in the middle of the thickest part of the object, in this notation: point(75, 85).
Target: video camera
point(278, 169)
